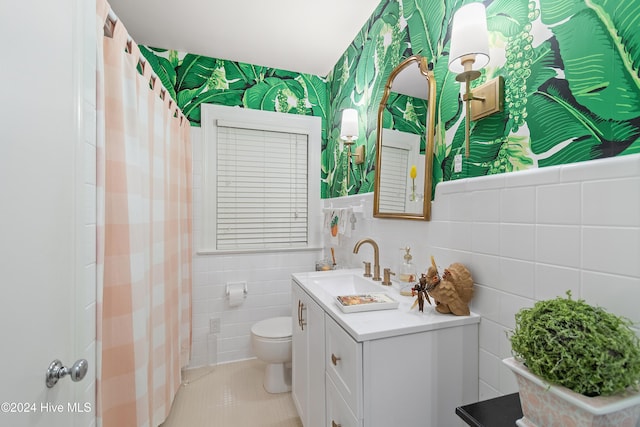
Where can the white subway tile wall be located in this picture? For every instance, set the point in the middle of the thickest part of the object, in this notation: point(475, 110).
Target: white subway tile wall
point(517, 241)
point(609, 202)
point(558, 244)
point(554, 281)
point(525, 236)
point(558, 204)
point(518, 205)
point(574, 227)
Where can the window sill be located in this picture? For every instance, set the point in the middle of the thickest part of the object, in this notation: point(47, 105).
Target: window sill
point(257, 251)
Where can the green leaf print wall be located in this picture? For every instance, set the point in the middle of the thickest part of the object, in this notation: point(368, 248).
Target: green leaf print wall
point(571, 71)
point(195, 79)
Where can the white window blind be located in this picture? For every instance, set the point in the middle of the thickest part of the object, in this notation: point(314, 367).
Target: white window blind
point(260, 181)
point(393, 192)
point(262, 188)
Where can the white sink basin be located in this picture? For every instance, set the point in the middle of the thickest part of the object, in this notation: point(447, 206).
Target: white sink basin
point(346, 284)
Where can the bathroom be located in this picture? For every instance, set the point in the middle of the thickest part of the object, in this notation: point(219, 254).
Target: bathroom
point(526, 235)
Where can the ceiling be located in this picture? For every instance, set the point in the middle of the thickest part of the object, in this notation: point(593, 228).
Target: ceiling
point(305, 36)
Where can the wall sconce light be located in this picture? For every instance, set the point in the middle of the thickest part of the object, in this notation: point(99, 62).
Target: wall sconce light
point(468, 53)
point(348, 134)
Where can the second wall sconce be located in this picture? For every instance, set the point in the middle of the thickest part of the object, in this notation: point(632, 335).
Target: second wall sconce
point(348, 135)
point(468, 53)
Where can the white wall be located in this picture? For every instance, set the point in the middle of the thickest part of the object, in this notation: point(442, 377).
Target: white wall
point(268, 277)
point(525, 236)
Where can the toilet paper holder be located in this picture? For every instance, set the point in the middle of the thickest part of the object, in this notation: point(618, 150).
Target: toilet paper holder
point(236, 284)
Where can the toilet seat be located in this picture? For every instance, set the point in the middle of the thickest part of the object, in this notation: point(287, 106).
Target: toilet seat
point(274, 328)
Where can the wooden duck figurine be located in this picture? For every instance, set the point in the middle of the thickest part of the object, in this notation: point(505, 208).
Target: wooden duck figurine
point(453, 291)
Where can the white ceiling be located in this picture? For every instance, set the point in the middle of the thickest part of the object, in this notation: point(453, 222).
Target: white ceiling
point(306, 36)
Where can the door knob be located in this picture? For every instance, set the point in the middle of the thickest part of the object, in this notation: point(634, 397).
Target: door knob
point(57, 370)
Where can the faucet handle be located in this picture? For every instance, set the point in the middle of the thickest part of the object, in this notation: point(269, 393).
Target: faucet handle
point(387, 277)
point(367, 269)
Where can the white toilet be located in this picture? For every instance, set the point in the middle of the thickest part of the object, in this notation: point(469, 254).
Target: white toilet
point(271, 341)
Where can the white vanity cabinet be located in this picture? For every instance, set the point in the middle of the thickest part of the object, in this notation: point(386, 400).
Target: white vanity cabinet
point(380, 368)
point(407, 380)
point(308, 390)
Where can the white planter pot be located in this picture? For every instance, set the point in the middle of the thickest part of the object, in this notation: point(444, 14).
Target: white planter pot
point(545, 405)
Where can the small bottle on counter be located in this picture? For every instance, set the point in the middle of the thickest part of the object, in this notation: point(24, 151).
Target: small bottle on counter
point(407, 269)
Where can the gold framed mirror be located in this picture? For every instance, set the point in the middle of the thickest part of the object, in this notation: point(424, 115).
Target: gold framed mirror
point(405, 142)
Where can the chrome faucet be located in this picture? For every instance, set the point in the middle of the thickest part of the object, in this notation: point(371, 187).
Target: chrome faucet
point(376, 256)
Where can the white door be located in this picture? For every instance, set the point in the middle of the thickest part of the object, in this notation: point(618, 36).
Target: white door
point(40, 202)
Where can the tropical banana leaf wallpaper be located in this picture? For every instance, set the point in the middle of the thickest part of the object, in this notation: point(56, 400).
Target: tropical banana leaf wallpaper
point(195, 79)
point(572, 86)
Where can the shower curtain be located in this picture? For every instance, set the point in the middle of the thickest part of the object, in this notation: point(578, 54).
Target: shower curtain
point(143, 237)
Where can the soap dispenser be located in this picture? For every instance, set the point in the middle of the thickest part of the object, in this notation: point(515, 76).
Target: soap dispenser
point(407, 269)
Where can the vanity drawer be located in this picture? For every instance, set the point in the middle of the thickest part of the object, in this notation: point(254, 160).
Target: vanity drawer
point(338, 412)
point(343, 364)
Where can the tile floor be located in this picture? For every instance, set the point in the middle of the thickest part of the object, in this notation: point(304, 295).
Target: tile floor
point(230, 395)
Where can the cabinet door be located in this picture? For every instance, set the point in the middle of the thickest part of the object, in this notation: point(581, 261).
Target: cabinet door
point(299, 364)
point(315, 348)
point(420, 378)
point(308, 388)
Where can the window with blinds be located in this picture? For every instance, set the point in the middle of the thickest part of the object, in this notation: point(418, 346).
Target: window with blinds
point(261, 180)
point(261, 189)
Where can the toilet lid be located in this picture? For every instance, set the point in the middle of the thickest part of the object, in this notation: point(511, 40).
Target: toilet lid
point(276, 327)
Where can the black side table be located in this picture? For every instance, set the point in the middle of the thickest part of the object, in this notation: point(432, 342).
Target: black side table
point(500, 411)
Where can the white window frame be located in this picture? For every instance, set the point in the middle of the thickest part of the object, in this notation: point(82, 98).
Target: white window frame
point(260, 120)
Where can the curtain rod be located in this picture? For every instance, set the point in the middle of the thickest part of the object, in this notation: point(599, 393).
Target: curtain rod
point(112, 16)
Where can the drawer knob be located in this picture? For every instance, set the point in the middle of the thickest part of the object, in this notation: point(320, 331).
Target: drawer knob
point(333, 424)
point(334, 359)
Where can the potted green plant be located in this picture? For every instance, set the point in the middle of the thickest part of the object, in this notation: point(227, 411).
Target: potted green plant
point(575, 364)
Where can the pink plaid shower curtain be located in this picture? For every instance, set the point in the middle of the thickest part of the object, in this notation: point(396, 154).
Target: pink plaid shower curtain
point(143, 238)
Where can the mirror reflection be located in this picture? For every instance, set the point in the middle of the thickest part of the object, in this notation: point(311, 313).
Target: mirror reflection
point(398, 191)
point(404, 162)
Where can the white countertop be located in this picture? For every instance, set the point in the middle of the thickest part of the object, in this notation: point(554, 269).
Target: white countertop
point(371, 325)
